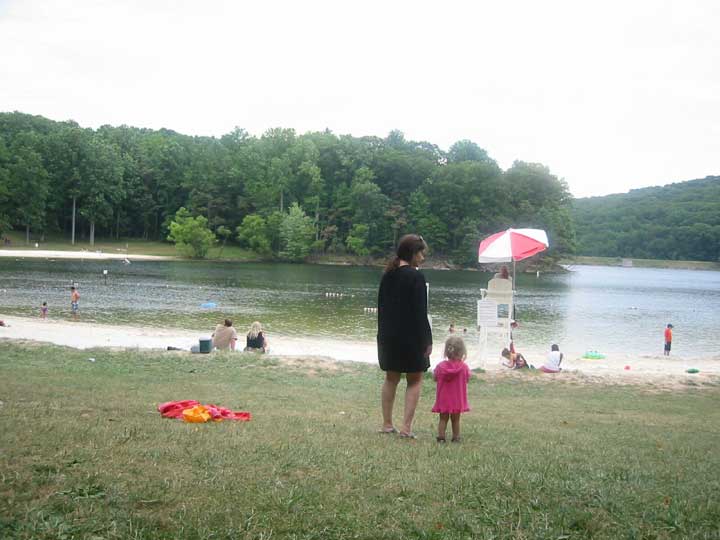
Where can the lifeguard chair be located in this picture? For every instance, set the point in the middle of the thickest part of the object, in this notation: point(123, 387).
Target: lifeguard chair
point(494, 312)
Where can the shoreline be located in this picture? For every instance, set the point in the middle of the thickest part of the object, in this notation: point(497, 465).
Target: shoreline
point(99, 255)
point(617, 262)
point(81, 335)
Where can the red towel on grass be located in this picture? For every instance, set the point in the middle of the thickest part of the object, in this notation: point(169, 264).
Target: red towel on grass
point(174, 409)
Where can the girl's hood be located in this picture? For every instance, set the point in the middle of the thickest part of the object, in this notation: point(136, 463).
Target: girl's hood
point(450, 370)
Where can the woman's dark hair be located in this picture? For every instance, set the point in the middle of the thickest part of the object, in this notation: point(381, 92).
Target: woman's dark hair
point(505, 353)
point(554, 348)
point(228, 322)
point(409, 245)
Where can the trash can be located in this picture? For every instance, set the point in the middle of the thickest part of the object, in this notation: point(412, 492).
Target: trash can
point(205, 345)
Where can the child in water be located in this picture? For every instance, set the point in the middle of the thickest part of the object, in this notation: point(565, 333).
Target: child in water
point(43, 310)
point(451, 376)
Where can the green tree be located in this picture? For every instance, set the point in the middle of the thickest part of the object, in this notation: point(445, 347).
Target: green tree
point(253, 233)
point(100, 183)
point(28, 183)
point(224, 233)
point(4, 188)
point(357, 239)
point(296, 234)
point(423, 221)
point(370, 208)
point(191, 235)
point(466, 150)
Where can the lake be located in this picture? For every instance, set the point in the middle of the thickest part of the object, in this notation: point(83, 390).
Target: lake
point(610, 309)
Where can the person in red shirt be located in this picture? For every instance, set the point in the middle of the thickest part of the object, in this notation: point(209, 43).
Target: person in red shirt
point(668, 339)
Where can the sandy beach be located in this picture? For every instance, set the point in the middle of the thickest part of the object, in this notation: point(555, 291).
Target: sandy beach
point(80, 335)
point(88, 255)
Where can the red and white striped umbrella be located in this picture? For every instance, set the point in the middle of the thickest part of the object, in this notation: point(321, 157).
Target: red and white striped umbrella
point(512, 245)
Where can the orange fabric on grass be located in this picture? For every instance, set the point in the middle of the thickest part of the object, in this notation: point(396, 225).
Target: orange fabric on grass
point(193, 411)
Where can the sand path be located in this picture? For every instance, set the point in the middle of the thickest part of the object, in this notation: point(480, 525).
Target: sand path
point(88, 255)
point(90, 335)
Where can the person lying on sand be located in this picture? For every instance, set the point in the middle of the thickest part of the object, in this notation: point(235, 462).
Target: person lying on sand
point(515, 360)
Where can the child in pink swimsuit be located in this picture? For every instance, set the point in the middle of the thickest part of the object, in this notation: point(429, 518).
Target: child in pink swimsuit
point(451, 376)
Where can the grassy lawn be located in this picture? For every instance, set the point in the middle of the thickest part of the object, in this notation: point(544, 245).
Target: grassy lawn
point(645, 263)
point(84, 454)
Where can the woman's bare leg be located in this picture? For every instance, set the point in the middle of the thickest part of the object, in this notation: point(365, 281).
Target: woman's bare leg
point(389, 387)
point(412, 396)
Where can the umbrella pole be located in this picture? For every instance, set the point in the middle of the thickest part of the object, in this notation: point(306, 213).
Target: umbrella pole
point(512, 315)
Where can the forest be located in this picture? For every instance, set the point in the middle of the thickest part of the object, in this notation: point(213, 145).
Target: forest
point(281, 194)
point(679, 221)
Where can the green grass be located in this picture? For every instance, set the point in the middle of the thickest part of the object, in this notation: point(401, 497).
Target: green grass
point(84, 454)
point(644, 263)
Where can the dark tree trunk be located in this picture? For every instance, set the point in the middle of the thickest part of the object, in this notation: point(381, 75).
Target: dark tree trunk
point(73, 221)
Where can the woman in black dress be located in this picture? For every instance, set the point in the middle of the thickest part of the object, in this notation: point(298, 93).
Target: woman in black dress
point(404, 337)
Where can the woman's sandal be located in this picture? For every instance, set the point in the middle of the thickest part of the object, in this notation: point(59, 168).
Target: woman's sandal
point(456, 439)
point(388, 431)
point(440, 439)
point(410, 435)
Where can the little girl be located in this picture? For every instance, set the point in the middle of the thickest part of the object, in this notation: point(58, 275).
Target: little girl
point(43, 310)
point(451, 376)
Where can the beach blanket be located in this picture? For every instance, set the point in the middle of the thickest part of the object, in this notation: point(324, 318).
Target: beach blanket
point(190, 410)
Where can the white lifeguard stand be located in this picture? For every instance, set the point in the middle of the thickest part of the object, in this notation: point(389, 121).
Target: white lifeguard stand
point(499, 292)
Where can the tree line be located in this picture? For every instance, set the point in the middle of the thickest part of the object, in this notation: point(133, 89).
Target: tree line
point(679, 221)
point(281, 194)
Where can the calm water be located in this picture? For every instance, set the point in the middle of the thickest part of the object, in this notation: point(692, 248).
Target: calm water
point(608, 309)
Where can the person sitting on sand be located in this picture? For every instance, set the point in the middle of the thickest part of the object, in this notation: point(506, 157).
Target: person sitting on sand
point(256, 341)
point(515, 360)
point(554, 358)
point(224, 336)
point(3, 323)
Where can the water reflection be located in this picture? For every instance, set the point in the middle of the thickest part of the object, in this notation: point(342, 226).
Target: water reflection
point(621, 309)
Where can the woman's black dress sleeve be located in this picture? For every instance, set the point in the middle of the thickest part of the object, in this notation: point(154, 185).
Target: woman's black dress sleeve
point(403, 327)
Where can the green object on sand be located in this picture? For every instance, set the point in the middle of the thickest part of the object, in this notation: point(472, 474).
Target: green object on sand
point(593, 355)
point(205, 345)
point(692, 370)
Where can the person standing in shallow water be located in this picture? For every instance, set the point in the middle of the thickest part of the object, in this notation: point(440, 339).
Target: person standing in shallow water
point(404, 338)
point(74, 301)
point(668, 339)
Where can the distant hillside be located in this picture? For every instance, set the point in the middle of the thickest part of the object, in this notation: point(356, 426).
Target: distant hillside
point(678, 222)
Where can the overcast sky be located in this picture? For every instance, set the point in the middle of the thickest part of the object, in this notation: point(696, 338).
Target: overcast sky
point(611, 95)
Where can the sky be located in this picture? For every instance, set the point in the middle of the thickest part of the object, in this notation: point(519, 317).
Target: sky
point(610, 95)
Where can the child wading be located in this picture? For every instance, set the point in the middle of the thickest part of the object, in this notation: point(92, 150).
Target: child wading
point(668, 339)
point(451, 376)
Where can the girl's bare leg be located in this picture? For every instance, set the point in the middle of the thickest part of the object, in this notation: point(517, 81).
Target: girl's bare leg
point(455, 420)
point(442, 425)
